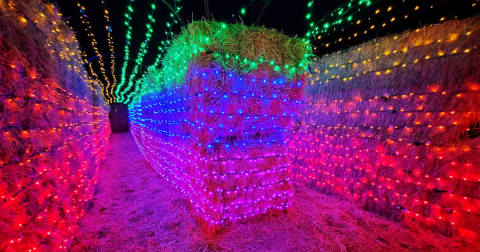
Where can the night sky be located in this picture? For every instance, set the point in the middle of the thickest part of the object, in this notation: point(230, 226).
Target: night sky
point(285, 15)
point(288, 16)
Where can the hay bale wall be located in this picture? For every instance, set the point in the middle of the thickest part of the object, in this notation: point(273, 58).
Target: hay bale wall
point(214, 120)
point(394, 125)
point(53, 129)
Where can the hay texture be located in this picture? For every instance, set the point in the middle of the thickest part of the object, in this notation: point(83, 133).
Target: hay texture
point(236, 47)
point(53, 127)
point(214, 120)
point(394, 125)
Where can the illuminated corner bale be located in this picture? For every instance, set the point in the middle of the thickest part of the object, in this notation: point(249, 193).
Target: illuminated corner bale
point(215, 119)
point(393, 124)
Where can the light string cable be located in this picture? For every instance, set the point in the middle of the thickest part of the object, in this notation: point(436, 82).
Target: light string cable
point(328, 26)
point(342, 10)
point(94, 80)
point(77, 58)
point(162, 48)
point(112, 55)
point(143, 50)
point(242, 11)
point(83, 16)
point(308, 17)
point(127, 48)
point(391, 20)
point(263, 11)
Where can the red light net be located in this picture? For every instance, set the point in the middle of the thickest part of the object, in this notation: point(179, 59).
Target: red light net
point(53, 130)
point(394, 125)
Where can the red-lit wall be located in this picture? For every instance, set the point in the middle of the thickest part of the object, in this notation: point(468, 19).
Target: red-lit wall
point(393, 124)
point(53, 129)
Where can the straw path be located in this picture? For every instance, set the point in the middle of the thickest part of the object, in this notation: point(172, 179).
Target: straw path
point(135, 210)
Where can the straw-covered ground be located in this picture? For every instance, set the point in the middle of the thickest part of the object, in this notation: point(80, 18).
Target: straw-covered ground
point(136, 210)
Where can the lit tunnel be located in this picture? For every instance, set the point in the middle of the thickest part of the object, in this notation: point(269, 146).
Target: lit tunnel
point(223, 133)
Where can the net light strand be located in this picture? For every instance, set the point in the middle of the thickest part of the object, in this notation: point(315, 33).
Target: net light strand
point(109, 88)
point(127, 49)
point(95, 48)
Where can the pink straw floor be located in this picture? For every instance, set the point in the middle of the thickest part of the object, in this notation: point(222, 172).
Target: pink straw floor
point(136, 210)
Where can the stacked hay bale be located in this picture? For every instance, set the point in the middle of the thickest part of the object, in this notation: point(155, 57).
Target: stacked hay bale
point(394, 124)
point(214, 119)
point(53, 129)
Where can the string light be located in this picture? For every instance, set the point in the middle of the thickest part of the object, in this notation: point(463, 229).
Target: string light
point(242, 11)
point(176, 129)
point(385, 145)
point(127, 50)
point(62, 48)
point(162, 50)
point(326, 33)
point(308, 17)
point(62, 140)
point(141, 54)
point(338, 16)
point(109, 88)
point(388, 70)
point(95, 48)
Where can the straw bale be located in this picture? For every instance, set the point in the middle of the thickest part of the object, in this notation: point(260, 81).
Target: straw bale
point(52, 128)
point(394, 123)
point(228, 117)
